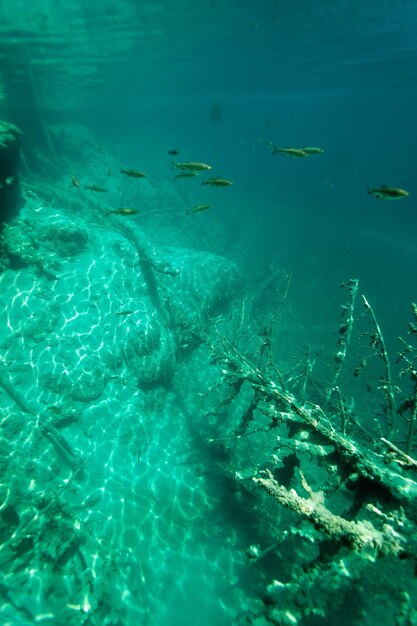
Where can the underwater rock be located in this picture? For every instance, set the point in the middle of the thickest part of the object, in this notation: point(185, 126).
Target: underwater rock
point(149, 352)
point(73, 140)
point(204, 288)
point(20, 246)
point(17, 244)
point(97, 318)
point(65, 238)
point(27, 241)
point(10, 196)
point(88, 379)
point(52, 380)
point(83, 381)
point(41, 320)
point(12, 425)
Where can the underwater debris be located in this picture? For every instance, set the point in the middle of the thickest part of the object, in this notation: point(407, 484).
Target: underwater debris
point(377, 343)
point(345, 330)
point(364, 462)
point(357, 535)
point(133, 173)
point(408, 358)
point(317, 436)
point(388, 193)
point(95, 188)
point(292, 152)
point(198, 208)
point(218, 182)
point(195, 166)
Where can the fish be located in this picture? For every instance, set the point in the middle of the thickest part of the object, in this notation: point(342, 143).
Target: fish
point(218, 182)
point(388, 193)
point(124, 210)
point(125, 312)
point(198, 208)
point(293, 152)
point(55, 409)
point(133, 173)
point(173, 152)
point(75, 181)
point(312, 150)
point(194, 166)
point(7, 182)
point(95, 188)
point(189, 174)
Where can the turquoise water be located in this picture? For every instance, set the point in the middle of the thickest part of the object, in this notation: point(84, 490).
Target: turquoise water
point(202, 419)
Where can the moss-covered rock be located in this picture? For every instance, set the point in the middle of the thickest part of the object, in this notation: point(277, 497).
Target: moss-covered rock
point(41, 320)
point(203, 289)
point(65, 238)
point(18, 244)
point(149, 352)
point(88, 379)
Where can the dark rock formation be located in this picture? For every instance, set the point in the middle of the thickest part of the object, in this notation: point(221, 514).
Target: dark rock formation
point(10, 195)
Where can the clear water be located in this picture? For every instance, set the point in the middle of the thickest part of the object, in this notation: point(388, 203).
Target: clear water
point(125, 494)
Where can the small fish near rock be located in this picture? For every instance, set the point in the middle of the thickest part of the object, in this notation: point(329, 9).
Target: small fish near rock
point(133, 173)
point(198, 208)
point(126, 210)
point(195, 166)
point(297, 153)
point(96, 188)
point(388, 193)
point(217, 182)
point(273, 123)
point(311, 150)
